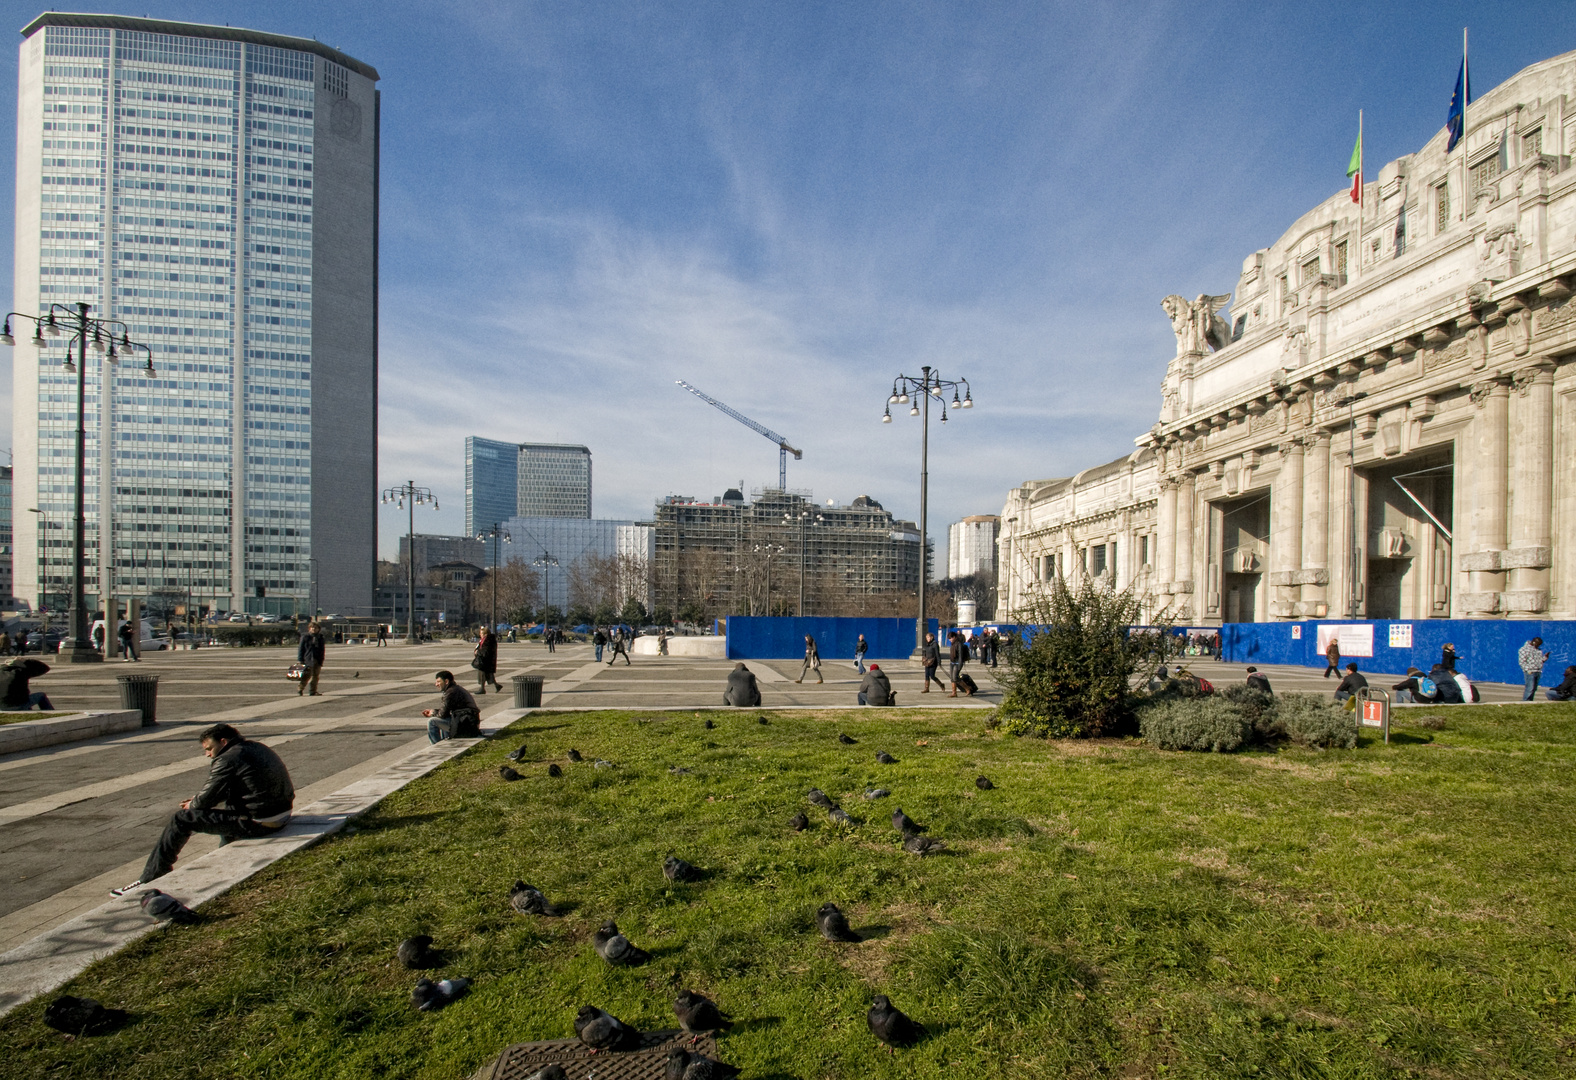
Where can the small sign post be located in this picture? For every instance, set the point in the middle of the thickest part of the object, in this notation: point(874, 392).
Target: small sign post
point(1373, 709)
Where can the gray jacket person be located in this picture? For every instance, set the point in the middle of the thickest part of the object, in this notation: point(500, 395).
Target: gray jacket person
point(742, 688)
point(876, 689)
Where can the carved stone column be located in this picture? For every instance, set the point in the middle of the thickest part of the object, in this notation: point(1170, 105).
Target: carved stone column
point(1314, 574)
point(1182, 582)
point(1489, 478)
point(1532, 505)
point(1165, 542)
point(1286, 531)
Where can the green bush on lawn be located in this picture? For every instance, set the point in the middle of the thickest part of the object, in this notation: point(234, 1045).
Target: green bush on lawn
point(1239, 716)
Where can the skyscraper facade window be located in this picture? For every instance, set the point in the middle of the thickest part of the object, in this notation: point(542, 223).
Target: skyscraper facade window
point(554, 481)
point(216, 190)
point(491, 482)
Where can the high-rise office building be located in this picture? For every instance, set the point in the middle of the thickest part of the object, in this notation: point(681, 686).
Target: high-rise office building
point(216, 190)
point(492, 482)
point(971, 546)
point(555, 481)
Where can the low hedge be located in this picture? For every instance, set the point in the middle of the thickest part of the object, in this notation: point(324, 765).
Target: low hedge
point(1240, 716)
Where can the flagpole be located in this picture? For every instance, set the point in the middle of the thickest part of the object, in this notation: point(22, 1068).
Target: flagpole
point(1466, 93)
point(1362, 183)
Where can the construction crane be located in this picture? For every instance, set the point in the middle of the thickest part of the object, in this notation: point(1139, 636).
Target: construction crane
point(783, 448)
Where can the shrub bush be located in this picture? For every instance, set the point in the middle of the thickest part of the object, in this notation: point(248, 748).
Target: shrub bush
point(1258, 707)
point(1206, 723)
point(1314, 720)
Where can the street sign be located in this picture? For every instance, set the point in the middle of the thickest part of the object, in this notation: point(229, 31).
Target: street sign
point(1374, 709)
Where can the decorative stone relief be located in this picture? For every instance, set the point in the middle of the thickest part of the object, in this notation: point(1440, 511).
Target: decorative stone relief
point(1434, 358)
point(1481, 391)
point(1520, 323)
point(1477, 345)
point(1556, 314)
point(1500, 253)
point(1524, 378)
point(1195, 324)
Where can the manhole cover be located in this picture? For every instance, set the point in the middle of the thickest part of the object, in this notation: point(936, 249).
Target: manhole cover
point(646, 1062)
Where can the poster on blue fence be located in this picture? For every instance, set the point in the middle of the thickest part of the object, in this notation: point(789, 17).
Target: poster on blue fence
point(1401, 635)
point(1354, 639)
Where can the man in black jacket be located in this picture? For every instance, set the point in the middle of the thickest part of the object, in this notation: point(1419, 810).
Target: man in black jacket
point(15, 694)
point(311, 653)
point(251, 782)
point(1351, 684)
point(742, 690)
point(457, 717)
point(930, 656)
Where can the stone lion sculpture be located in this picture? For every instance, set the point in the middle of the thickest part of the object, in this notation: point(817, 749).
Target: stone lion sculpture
point(1196, 324)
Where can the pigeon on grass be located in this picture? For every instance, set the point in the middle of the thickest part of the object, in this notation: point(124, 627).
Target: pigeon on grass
point(905, 824)
point(509, 775)
point(709, 724)
point(839, 815)
point(876, 793)
point(603, 764)
point(554, 771)
point(81, 1016)
point(517, 755)
point(603, 1031)
point(819, 798)
point(888, 1023)
point(885, 758)
point(165, 908)
point(762, 720)
point(685, 1065)
point(846, 740)
point(698, 1014)
point(983, 783)
point(923, 845)
point(528, 900)
point(834, 924)
point(430, 996)
point(799, 822)
point(676, 869)
point(615, 948)
point(574, 755)
point(417, 952)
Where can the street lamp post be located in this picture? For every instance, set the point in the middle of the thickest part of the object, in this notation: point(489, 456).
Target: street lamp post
point(497, 534)
point(803, 517)
point(1350, 401)
point(74, 322)
point(769, 551)
point(544, 560)
point(405, 493)
point(930, 384)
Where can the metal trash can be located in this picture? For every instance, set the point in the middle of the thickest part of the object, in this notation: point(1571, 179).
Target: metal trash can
point(140, 692)
point(528, 691)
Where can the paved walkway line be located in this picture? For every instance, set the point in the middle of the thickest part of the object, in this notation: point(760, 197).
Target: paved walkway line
point(54, 958)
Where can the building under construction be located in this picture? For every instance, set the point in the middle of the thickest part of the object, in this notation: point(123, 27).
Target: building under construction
point(733, 556)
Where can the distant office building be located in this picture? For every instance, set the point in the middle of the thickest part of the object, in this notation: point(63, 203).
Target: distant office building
point(492, 483)
point(216, 189)
point(5, 538)
point(433, 551)
point(584, 561)
point(971, 546)
point(554, 481)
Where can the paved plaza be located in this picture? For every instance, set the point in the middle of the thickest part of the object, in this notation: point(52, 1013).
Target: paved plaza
point(78, 819)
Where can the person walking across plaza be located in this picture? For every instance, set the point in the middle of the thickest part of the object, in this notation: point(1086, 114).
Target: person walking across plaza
point(958, 656)
point(1448, 657)
point(127, 652)
point(1332, 654)
point(247, 778)
point(457, 715)
point(930, 657)
point(861, 647)
point(812, 660)
point(383, 635)
point(485, 661)
point(1531, 658)
point(620, 647)
point(310, 654)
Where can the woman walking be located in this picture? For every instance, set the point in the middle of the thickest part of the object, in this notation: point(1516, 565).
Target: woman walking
point(485, 661)
point(812, 660)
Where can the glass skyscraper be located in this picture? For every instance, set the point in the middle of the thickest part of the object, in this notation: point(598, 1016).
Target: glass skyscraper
point(504, 479)
point(216, 190)
point(492, 478)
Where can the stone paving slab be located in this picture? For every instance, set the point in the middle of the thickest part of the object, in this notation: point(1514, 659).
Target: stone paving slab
point(33, 734)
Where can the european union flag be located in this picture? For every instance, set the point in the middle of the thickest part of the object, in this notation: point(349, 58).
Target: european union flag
point(1458, 106)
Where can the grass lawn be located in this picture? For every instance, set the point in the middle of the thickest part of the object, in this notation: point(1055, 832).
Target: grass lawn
point(18, 717)
point(1108, 910)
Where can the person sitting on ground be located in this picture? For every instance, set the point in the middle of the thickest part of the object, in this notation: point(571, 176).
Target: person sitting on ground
point(457, 716)
point(1161, 679)
point(743, 690)
point(251, 782)
point(1259, 681)
point(1415, 688)
point(876, 688)
point(1449, 692)
point(15, 694)
point(1351, 684)
point(1566, 690)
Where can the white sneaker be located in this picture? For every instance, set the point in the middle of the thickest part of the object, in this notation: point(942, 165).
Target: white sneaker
point(124, 889)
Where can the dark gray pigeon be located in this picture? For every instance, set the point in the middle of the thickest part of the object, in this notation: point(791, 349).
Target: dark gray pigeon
point(819, 798)
point(429, 996)
point(762, 720)
point(885, 758)
point(905, 824)
point(678, 1061)
point(528, 900)
point(676, 869)
point(165, 908)
point(834, 925)
point(709, 725)
point(698, 1014)
point(983, 784)
point(81, 1016)
point(516, 755)
point(554, 1071)
point(923, 845)
point(508, 774)
point(799, 822)
point(616, 949)
point(845, 740)
point(554, 770)
point(686, 1065)
point(603, 1031)
point(603, 764)
point(417, 952)
point(838, 815)
point(876, 793)
point(574, 755)
point(889, 1025)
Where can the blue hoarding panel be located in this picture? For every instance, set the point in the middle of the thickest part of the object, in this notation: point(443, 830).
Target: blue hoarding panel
point(761, 637)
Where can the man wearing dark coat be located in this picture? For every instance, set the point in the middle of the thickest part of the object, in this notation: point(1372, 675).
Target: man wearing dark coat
point(876, 689)
point(742, 687)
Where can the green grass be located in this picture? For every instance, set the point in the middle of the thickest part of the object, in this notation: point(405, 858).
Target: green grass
point(1109, 910)
point(18, 717)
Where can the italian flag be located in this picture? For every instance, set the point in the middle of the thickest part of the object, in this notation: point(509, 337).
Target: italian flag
point(1355, 169)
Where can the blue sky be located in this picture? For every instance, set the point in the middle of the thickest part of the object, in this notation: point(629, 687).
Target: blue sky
point(788, 204)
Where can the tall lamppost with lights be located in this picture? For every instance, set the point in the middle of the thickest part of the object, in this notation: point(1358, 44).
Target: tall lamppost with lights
point(542, 562)
point(928, 385)
point(111, 339)
point(403, 496)
point(769, 551)
point(498, 535)
point(803, 518)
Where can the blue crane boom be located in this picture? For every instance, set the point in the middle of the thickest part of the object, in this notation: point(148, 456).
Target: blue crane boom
point(783, 447)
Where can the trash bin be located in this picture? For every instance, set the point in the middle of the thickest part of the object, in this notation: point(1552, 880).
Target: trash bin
point(140, 692)
point(527, 691)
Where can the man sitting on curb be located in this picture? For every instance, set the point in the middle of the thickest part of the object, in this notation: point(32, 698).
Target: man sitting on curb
point(742, 690)
point(1566, 690)
point(1259, 681)
point(1351, 684)
point(248, 778)
point(457, 717)
point(876, 689)
point(14, 692)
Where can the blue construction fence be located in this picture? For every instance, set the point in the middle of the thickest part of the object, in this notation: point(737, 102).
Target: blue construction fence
point(775, 637)
point(1486, 648)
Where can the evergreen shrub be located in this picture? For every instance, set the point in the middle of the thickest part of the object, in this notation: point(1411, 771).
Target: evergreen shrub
point(1213, 723)
point(1315, 720)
